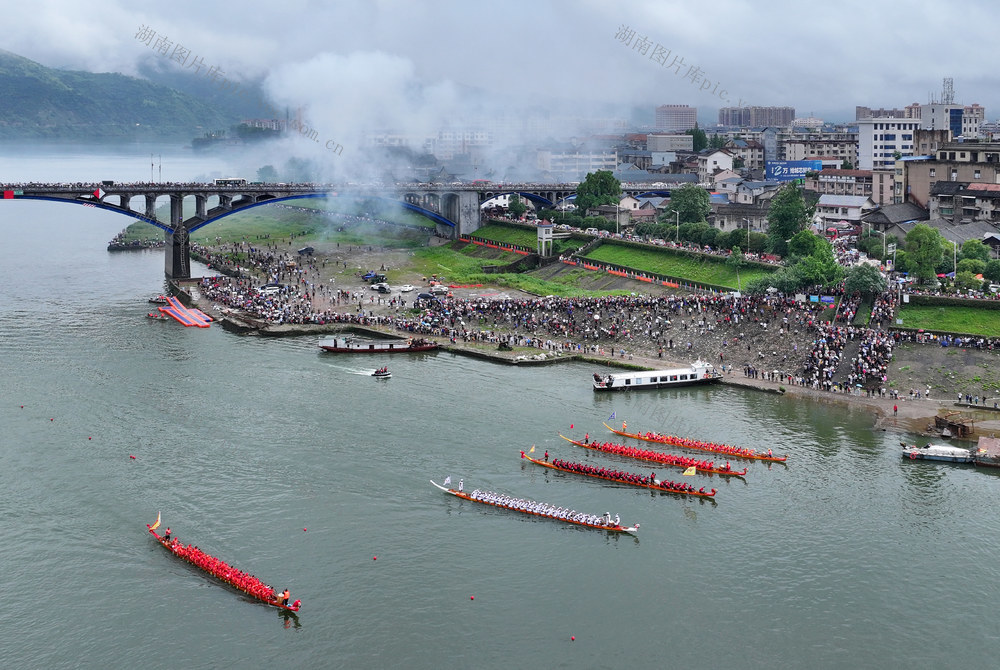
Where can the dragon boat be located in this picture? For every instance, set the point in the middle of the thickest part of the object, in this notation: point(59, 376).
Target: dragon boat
point(629, 478)
point(219, 569)
point(613, 528)
point(656, 457)
point(698, 445)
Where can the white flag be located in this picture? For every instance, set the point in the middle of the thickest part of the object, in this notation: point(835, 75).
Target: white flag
point(447, 480)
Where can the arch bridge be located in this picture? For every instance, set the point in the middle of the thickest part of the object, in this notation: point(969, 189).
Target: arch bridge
point(454, 208)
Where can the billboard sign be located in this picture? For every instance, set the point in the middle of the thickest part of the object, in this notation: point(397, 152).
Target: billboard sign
point(790, 170)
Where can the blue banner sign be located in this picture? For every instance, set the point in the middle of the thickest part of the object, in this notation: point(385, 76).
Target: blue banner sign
point(790, 170)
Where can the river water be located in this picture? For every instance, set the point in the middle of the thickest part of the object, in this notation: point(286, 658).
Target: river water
point(298, 467)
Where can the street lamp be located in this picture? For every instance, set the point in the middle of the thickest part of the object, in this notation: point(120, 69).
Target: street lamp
point(677, 220)
point(748, 234)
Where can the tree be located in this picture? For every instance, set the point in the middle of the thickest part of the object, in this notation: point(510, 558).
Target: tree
point(736, 261)
point(515, 206)
point(691, 201)
point(864, 278)
point(975, 249)
point(598, 188)
point(846, 165)
point(267, 174)
point(924, 250)
point(700, 140)
point(786, 216)
point(972, 265)
point(820, 267)
point(803, 243)
point(992, 271)
point(717, 141)
point(965, 279)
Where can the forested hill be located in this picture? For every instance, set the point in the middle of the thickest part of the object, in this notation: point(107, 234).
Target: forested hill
point(41, 102)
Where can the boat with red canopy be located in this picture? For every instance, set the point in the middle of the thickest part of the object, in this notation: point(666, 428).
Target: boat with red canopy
point(221, 570)
point(688, 443)
point(671, 460)
point(619, 477)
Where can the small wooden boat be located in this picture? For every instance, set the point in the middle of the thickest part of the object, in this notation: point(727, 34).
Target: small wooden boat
point(382, 373)
point(357, 345)
point(629, 478)
point(698, 445)
point(525, 506)
point(656, 457)
point(222, 571)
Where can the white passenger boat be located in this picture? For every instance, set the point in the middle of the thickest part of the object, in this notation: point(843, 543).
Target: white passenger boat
point(937, 452)
point(698, 372)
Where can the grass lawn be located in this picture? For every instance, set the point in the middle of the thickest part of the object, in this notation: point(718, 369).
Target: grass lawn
point(969, 320)
point(663, 262)
point(460, 268)
point(525, 238)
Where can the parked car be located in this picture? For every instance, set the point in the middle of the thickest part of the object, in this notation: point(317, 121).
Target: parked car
point(406, 288)
point(379, 286)
point(439, 289)
point(384, 288)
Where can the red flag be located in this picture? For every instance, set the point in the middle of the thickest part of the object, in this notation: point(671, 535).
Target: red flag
point(8, 195)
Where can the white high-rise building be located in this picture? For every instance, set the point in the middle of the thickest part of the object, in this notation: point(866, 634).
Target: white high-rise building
point(880, 140)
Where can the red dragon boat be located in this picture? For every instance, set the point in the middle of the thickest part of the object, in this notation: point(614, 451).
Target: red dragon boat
point(629, 478)
point(222, 571)
point(525, 506)
point(688, 443)
point(657, 457)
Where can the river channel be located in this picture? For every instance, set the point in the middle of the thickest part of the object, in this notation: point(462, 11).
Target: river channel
point(297, 466)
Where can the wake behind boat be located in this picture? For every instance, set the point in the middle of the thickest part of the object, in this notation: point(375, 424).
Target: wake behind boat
point(707, 467)
point(698, 372)
point(545, 510)
point(219, 569)
point(629, 478)
point(688, 443)
point(359, 345)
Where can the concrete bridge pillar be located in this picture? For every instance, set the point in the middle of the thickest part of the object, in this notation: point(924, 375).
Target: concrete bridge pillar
point(468, 219)
point(177, 263)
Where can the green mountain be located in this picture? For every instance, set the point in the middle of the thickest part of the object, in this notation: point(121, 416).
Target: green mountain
point(40, 102)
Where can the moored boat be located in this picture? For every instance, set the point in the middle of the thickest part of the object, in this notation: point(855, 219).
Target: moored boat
point(359, 345)
point(670, 460)
point(698, 372)
point(219, 569)
point(937, 452)
point(543, 510)
point(619, 477)
point(988, 452)
point(159, 300)
point(698, 445)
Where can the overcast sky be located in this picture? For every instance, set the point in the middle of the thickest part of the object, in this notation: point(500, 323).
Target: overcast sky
point(385, 62)
point(817, 57)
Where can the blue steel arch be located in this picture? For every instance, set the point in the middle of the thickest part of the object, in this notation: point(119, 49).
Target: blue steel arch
point(436, 218)
point(654, 194)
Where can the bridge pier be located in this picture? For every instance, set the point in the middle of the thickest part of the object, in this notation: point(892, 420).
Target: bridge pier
point(177, 261)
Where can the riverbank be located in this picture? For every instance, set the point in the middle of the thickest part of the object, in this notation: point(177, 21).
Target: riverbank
point(776, 351)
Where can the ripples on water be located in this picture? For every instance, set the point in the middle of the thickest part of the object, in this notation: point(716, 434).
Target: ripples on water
point(846, 556)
